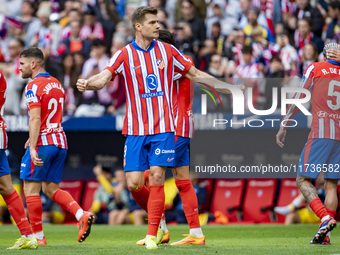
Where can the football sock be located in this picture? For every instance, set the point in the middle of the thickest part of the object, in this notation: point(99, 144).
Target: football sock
point(16, 209)
point(331, 212)
point(141, 197)
point(155, 206)
point(65, 199)
point(190, 204)
point(35, 209)
point(197, 232)
point(39, 235)
point(319, 209)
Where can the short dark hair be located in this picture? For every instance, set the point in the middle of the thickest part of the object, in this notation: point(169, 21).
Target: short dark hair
point(276, 58)
point(335, 5)
point(309, 22)
point(138, 15)
point(247, 49)
point(166, 36)
point(32, 52)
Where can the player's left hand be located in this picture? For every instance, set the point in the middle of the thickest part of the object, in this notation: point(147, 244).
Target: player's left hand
point(35, 159)
point(333, 55)
point(280, 137)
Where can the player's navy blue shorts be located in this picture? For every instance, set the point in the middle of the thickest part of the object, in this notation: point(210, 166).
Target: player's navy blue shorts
point(182, 156)
point(4, 166)
point(52, 168)
point(320, 155)
point(141, 152)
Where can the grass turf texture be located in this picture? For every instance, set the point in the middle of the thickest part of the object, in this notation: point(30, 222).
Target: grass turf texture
point(232, 239)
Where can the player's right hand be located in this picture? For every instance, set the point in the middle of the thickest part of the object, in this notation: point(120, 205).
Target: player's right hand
point(82, 84)
point(280, 137)
point(27, 144)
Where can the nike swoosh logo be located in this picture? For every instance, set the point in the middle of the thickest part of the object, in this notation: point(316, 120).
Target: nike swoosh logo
point(170, 159)
point(136, 67)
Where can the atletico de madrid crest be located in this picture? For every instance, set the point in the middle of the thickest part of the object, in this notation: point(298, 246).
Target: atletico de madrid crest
point(160, 63)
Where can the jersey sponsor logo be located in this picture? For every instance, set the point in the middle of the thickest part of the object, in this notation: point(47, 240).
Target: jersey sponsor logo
point(157, 151)
point(30, 97)
point(153, 94)
point(168, 151)
point(152, 82)
point(160, 63)
point(322, 114)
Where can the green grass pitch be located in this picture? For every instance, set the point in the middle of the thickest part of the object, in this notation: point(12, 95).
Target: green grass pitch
point(230, 239)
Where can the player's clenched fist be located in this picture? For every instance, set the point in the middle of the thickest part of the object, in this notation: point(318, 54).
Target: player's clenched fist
point(81, 84)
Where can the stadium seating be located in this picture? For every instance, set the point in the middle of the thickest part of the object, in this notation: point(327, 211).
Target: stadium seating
point(208, 184)
point(90, 188)
point(75, 188)
point(259, 200)
point(227, 198)
point(288, 191)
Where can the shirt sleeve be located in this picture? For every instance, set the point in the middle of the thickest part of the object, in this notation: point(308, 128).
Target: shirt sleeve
point(116, 63)
point(181, 63)
point(32, 96)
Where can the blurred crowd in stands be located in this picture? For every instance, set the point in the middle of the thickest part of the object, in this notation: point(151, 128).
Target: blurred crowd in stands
point(240, 41)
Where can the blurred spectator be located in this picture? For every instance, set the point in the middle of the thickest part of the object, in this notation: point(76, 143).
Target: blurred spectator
point(305, 10)
point(32, 24)
point(156, 3)
point(199, 7)
point(162, 16)
point(234, 44)
point(261, 52)
point(74, 43)
point(110, 203)
point(95, 103)
point(11, 8)
point(218, 16)
point(310, 55)
point(184, 37)
point(249, 74)
point(333, 31)
point(92, 29)
point(245, 5)
point(205, 53)
point(304, 35)
point(288, 53)
point(73, 15)
point(68, 79)
point(274, 80)
point(196, 23)
point(218, 37)
point(15, 84)
point(252, 16)
point(50, 32)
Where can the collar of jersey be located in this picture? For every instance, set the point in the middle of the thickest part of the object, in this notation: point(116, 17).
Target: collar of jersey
point(334, 62)
point(42, 75)
point(135, 45)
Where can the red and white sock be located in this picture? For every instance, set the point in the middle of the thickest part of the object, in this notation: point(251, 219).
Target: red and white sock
point(155, 208)
point(319, 209)
point(190, 206)
point(16, 209)
point(35, 209)
point(65, 199)
point(141, 197)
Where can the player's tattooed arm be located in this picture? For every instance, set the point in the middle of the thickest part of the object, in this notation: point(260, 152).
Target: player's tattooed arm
point(306, 188)
point(96, 82)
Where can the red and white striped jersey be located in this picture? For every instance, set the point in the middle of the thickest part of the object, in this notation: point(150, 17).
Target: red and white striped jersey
point(3, 135)
point(148, 77)
point(183, 97)
point(323, 79)
point(47, 93)
point(288, 6)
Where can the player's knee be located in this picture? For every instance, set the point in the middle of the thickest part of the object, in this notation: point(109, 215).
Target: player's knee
point(6, 189)
point(48, 192)
point(156, 179)
point(134, 187)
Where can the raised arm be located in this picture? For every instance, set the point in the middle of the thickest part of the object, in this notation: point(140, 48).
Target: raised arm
point(201, 79)
point(96, 82)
